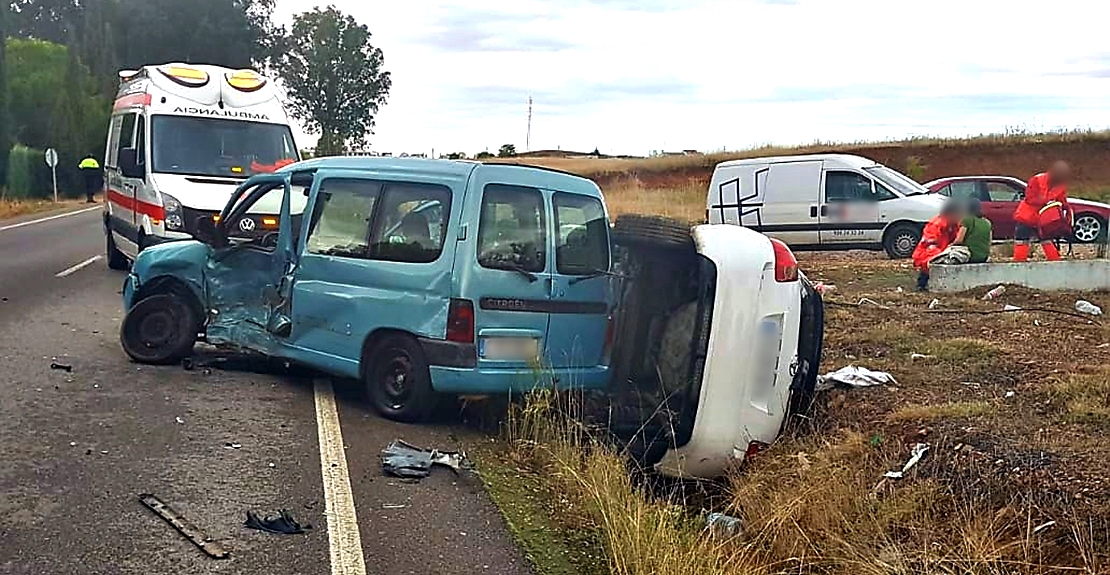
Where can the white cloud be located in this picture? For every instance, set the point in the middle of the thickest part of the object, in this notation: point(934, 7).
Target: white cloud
point(631, 76)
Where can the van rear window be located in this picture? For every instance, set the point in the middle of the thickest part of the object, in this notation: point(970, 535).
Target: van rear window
point(512, 233)
point(582, 247)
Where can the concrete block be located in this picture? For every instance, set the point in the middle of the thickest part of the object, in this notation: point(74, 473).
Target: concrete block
point(1077, 275)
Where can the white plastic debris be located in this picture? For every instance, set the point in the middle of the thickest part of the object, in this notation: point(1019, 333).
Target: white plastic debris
point(900, 290)
point(853, 376)
point(917, 356)
point(1009, 307)
point(179, 421)
point(824, 288)
point(1043, 526)
point(916, 454)
point(870, 301)
point(1010, 394)
point(721, 525)
point(933, 304)
point(1084, 306)
point(995, 292)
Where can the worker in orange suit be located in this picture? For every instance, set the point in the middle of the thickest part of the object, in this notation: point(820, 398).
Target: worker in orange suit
point(1045, 187)
point(938, 234)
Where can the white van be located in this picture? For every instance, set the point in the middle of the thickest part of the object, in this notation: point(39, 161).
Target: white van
point(823, 201)
point(182, 137)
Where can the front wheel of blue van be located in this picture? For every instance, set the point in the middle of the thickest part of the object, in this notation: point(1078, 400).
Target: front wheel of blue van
point(160, 330)
point(397, 380)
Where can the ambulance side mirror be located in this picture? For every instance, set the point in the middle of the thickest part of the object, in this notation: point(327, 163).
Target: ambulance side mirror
point(129, 164)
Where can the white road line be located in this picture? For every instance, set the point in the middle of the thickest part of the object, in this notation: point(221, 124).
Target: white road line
point(339, 503)
point(76, 268)
point(48, 218)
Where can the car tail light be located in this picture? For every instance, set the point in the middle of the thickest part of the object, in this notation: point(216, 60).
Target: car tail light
point(754, 448)
point(786, 265)
point(460, 321)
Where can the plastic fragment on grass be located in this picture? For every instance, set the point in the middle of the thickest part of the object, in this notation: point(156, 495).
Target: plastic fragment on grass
point(916, 454)
point(1084, 306)
point(853, 376)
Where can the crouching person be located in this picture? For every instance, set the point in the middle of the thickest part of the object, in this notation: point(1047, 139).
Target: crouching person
point(939, 234)
point(975, 233)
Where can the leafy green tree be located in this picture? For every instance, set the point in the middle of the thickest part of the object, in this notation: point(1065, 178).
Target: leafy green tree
point(456, 156)
point(506, 151)
point(5, 117)
point(334, 77)
point(483, 155)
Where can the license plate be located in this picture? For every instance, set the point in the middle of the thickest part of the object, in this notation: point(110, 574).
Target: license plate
point(510, 348)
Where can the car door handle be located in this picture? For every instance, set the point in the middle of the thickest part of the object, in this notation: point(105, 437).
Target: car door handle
point(813, 211)
point(825, 210)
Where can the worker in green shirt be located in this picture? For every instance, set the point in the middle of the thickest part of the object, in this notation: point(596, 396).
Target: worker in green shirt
point(975, 233)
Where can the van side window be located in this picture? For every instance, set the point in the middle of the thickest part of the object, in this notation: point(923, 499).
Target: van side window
point(140, 141)
point(512, 232)
point(113, 141)
point(847, 187)
point(341, 218)
point(582, 247)
point(410, 223)
point(126, 134)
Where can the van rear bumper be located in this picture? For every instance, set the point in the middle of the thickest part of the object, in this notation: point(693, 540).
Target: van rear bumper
point(514, 380)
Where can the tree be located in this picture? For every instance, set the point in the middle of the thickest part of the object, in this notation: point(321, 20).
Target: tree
point(483, 156)
point(334, 77)
point(5, 118)
point(506, 151)
point(456, 156)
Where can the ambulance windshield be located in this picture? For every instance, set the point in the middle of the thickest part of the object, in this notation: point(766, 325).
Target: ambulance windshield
point(217, 147)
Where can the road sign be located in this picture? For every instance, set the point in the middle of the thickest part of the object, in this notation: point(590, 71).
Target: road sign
point(52, 161)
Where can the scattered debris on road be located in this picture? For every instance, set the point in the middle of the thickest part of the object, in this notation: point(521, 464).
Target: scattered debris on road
point(62, 367)
point(406, 461)
point(192, 533)
point(853, 376)
point(994, 293)
point(232, 446)
point(179, 421)
point(282, 523)
point(916, 454)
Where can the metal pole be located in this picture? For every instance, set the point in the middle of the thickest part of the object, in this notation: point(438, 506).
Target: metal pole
point(54, 176)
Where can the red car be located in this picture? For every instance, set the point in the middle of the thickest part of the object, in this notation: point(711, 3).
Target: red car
point(1000, 195)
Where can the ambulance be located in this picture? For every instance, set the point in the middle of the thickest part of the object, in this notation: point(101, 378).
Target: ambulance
point(181, 139)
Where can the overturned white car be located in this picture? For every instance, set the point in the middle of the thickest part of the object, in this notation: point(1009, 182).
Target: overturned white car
point(718, 336)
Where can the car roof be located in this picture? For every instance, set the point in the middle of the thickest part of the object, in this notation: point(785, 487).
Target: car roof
point(847, 160)
point(966, 178)
point(538, 176)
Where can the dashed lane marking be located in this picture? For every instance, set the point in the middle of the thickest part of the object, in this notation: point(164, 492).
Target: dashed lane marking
point(49, 218)
point(76, 268)
point(339, 504)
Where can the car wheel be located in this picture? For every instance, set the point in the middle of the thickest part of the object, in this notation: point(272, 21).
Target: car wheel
point(116, 259)
point(1089, 228)
point(159, 330)
point(901, 240)
point(397, 380)
point(652, 231)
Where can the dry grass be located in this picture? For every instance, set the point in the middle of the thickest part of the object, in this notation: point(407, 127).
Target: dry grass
point(631, 197)
point(593, 167)
point(1086, 398)
point(931, 413)
point(811, 504)
point(15, 208)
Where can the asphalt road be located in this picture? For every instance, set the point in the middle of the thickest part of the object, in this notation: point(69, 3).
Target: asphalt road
point(78, 447)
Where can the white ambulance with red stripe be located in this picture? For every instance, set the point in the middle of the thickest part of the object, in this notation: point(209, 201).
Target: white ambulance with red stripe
point(181, 139)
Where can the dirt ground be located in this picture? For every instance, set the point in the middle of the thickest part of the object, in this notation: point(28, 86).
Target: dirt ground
point(1014, 402)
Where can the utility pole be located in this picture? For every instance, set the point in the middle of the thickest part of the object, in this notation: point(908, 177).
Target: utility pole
point(528, 135)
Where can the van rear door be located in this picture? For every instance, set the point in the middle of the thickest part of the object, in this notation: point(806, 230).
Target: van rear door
point(579, 285)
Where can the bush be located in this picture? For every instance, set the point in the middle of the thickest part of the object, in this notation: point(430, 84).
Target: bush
point(28, 176)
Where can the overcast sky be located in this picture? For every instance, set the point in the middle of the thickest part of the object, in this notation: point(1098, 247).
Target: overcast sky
point(630, 76)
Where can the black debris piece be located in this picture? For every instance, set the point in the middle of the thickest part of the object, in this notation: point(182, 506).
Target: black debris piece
point(187, 364)
point(62, 366)
point(283, 523)
point(407, 461)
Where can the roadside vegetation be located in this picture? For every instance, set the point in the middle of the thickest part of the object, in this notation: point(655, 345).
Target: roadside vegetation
point(1013, 406)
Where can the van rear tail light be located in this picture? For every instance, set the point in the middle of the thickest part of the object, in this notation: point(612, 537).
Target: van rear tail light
point(786, 265)
point(460, 321)
point(754, 448)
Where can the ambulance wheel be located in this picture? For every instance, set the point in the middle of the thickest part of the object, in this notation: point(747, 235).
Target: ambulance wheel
point(159, 330)
point(397, 380)
point(652, 231)
point(901, 240)
point(116, 259)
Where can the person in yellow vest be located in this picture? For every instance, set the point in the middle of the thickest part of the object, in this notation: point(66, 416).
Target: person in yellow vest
point(94, 177)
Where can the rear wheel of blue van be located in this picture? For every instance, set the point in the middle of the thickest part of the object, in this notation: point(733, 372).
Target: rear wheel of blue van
point(398, 383)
